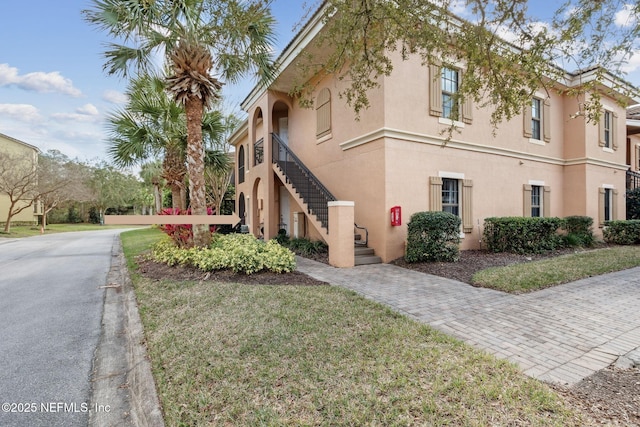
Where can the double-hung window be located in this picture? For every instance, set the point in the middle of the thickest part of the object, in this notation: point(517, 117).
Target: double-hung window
point(450, 80)
point(536, 119)
point(452, 193)
point(606, 129)
point(607, 204)
point(536, 201)
point(607, 124)
point(444, 99)
point(451, 196)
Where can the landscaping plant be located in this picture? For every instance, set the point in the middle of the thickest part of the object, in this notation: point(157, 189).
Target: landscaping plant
point(433, 236)
point(241, 253)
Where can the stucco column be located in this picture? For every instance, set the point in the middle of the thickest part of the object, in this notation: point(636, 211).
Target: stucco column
point(341, 243)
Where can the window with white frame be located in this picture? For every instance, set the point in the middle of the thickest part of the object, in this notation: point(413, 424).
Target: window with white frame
point(536, 201)
point(607, 125)
point(606, 128)
point(452, 193)
point(450, 81)
point(607, 202)
point(451, 196)
point(536, 118)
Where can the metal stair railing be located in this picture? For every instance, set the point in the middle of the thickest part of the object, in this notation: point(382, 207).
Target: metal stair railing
point(311, 190)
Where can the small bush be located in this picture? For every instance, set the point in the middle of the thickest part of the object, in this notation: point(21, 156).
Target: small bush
point(241, 253)
point(306, 247)
point(522, 235)
point(622, 232)
point(579, 231)
point(433, 236)
point(181, 234)
point(633, 203)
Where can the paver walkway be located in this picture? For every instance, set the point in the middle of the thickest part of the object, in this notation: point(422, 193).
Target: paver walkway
point(560, 334)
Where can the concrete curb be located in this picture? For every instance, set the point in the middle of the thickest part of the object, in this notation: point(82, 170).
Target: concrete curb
point(123, 390)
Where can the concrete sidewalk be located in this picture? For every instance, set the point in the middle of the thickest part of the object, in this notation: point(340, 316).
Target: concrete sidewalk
point(560, 334)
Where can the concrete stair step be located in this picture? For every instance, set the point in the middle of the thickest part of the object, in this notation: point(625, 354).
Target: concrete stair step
point(363, 250)
point(367, 259)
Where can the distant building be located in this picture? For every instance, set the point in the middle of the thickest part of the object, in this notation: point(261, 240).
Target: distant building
point(15, 149)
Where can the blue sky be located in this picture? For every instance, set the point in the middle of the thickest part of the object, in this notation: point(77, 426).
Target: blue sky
point(53, 92)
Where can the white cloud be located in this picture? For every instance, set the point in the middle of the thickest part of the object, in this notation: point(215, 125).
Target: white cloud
point(88, 109)
point(114, 97)
point(20, 112)
point(626, 17)
point(38, 81)
point(86, 113)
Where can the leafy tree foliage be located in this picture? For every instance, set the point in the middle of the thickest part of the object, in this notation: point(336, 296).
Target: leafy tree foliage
point(507, 54)
point(197, 38)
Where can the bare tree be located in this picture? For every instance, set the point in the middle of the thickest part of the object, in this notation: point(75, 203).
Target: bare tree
point(18, 180)
point(60, 180)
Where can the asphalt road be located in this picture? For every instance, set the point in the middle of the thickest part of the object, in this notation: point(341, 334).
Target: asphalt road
point(51, 301)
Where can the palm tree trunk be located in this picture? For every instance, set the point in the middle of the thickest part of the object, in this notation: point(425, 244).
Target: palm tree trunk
point(194, 108)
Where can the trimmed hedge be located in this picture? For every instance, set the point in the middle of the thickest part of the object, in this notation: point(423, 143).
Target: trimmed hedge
point(622, 232)
point(522, 235)
point(433, 236)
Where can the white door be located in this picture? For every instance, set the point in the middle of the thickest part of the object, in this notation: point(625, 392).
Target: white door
point(285, 212)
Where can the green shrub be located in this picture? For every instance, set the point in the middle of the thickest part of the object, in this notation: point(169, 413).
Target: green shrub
point(522, 235)
point(579, 231)
point(622, 232)
point(433, 236)
point(306, 247)
point(633, 203)
point(241, 253)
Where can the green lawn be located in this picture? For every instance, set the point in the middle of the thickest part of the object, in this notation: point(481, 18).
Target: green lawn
point(536, 275)
point(34, 230)
point(230, 354)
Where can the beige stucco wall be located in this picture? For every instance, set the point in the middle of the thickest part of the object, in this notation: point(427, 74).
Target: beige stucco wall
point(385, 157)
point(12, 147)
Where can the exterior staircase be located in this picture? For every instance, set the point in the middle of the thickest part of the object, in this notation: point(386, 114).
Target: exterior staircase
point(310, 194)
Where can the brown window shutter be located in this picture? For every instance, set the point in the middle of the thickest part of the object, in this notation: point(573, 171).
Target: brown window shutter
point(637, 157)
point(526, 209)
point(435, 91)
point(546, 202)
point(323, 113)
point(528, 133)
point(546, 120)
point(614, 205)
point(601, 141)
point(614, 133)
point(435, 193)
point(467, 206)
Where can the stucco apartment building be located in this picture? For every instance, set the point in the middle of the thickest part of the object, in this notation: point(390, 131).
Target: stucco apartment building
point(16, 150)
point(395, 160)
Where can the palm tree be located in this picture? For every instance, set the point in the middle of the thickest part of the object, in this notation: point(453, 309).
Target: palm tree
point(151, 125)
point(197, 38)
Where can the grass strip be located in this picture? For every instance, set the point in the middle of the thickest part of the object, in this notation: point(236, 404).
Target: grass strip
point(19, 231)
point(230, 354)
point(531, 276)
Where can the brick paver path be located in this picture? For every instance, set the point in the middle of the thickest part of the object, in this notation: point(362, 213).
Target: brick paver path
point(560, 334)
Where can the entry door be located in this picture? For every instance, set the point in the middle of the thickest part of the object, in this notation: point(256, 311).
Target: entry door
point(283, 133)
point(285, 211)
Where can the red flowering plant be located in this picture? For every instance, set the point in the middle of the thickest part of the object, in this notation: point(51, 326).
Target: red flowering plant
point(181, 234)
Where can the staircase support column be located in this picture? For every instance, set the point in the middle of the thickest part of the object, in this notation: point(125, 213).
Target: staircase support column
point(341, 220)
